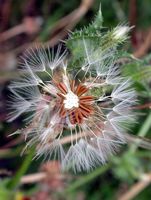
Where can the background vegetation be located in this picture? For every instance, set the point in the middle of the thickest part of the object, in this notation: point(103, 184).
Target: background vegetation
point(127, 175)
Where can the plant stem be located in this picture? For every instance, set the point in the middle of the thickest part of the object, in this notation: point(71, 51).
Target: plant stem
point(143, 131)
point(25, 165)
point(87, 178)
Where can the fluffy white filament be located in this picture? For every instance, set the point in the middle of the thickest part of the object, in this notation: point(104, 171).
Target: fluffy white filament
point(121, 31)
point(71, 100)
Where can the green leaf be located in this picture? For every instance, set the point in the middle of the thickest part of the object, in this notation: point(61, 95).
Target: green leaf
point(98, 21)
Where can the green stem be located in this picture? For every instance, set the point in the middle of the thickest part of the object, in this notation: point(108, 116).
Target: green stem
point(25, 165)
point(143, 131)
point(87, 178)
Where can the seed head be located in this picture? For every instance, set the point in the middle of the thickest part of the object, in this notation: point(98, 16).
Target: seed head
point(121, 32)
point(89, 108)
